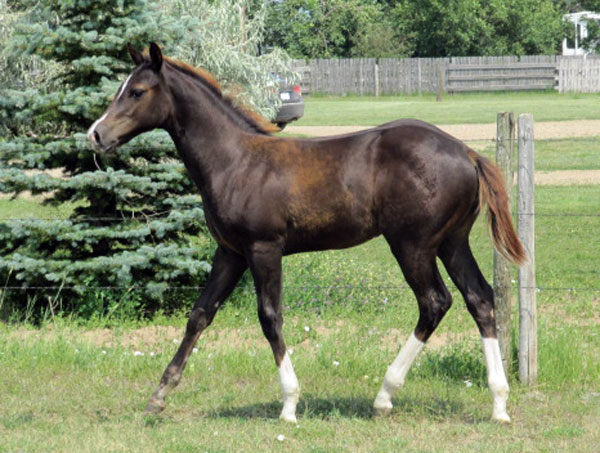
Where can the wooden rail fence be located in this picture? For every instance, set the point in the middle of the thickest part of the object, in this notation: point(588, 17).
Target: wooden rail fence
point(500, 77)
point(578, 75)
point(370, 76)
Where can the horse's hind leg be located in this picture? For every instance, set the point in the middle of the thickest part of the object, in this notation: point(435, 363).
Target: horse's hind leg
point(420, 270)
point(479, 297)
point(227, 270)
point(265, 263)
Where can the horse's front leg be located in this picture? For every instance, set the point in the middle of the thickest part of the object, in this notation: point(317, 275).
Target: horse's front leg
point(227, 270)
point(265, 263)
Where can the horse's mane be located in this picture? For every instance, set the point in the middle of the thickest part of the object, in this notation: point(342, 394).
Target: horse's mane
point(253, 119)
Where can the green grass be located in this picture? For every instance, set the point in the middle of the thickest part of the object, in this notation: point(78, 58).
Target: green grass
point(61, 392)
point(561, 154)
point(456, 109)
point(32, 208)
point(568, 154)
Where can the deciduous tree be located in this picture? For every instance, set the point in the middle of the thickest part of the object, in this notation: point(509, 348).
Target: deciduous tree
point(480, 27)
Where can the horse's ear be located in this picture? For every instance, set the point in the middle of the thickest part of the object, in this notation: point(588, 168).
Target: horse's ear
point(156, 56)
point(135, 54)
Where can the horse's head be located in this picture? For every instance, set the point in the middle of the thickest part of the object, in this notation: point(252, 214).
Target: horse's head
point(141, 104)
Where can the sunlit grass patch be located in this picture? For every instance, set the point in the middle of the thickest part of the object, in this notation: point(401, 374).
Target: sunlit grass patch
point(455, 109)
point(557, 154)
point(62, 390)
point(33, 209)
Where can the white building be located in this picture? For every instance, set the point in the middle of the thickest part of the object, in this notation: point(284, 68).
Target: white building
point(572, 46)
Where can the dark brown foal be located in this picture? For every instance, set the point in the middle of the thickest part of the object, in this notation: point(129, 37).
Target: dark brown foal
point(266, 197)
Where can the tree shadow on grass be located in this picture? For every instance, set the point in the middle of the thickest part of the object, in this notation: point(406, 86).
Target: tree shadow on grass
point(308, 407)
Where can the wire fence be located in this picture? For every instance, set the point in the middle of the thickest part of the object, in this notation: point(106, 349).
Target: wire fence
point(145, 218)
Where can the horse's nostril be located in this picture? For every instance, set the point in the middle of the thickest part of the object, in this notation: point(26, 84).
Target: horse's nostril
point(97, 138)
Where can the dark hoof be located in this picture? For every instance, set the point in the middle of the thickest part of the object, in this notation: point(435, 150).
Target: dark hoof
point(154, 407)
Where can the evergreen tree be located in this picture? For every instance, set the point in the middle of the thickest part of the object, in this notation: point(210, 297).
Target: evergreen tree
point(136, 222)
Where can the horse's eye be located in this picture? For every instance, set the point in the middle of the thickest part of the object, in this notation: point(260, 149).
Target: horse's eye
point(136, 94)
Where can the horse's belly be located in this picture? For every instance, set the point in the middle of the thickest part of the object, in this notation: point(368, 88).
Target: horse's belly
point(320, 229)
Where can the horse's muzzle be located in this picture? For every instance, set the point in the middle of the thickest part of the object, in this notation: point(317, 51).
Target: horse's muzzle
point(99, 144)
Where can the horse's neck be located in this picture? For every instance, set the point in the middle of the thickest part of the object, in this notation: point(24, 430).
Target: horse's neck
point(201, 118)
point(206, 136)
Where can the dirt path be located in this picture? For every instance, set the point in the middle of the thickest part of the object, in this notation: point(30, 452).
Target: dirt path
point(567, 178)
point(467, 132)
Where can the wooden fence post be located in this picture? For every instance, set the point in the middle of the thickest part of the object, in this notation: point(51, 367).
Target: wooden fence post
point(502, 267)
point(441, 69)
point(528, 369)
point(376, 71)
point(419, 75)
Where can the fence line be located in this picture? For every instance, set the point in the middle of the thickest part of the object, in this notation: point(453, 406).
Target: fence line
point(505, 132)
point(344, 75)
point(512, 76)
point(370, 76)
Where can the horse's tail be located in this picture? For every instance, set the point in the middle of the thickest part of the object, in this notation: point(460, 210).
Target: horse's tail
point(492, 191)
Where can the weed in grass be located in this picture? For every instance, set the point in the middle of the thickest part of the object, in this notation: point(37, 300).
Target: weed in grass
point(564, 432)
point(15, 421)
point(459, 363)
point(567, 357)
point(153, 421)
point(106, 307)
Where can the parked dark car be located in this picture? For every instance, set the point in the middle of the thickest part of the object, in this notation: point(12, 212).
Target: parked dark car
point(292, 104)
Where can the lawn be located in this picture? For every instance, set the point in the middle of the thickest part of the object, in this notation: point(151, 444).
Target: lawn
point(456, 109)
point(559, 154)
point(75, 386)
point(22, 208)
point(62, 391)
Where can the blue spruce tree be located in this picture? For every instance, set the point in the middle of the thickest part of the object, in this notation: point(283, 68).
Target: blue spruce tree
point(134, 215)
